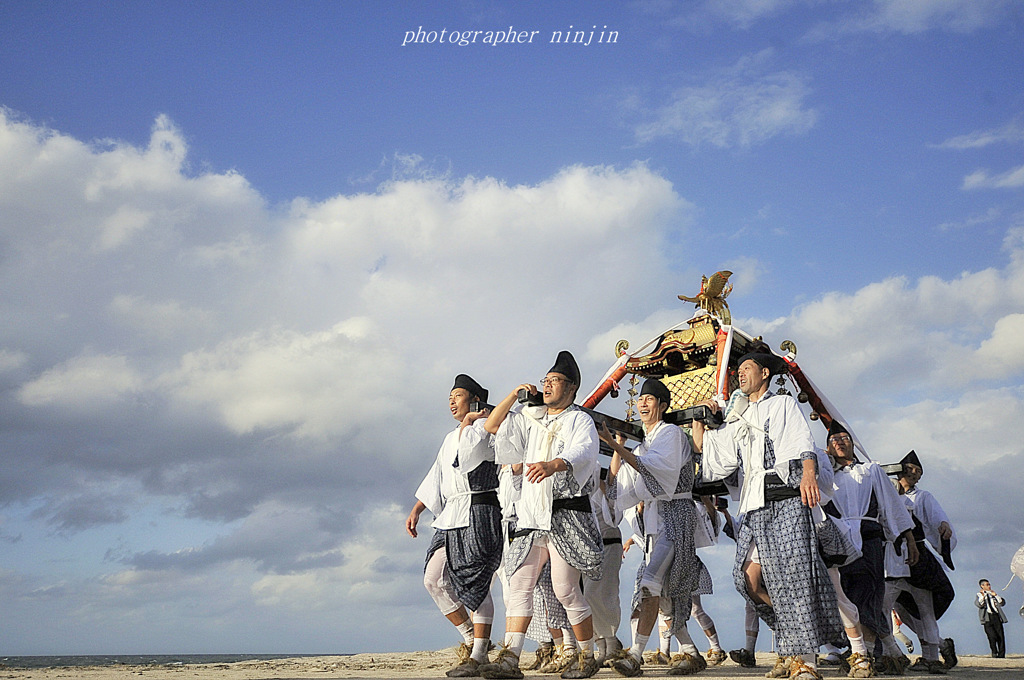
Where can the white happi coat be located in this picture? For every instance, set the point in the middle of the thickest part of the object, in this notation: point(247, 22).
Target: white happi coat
point(931, 515)
point(664, 451)
point(920, 504)
point(853, 487)
point(740, 443)
point(445, 490)
point(530, 435)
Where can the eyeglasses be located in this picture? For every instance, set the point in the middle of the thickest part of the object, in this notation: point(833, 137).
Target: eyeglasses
point(544, 382)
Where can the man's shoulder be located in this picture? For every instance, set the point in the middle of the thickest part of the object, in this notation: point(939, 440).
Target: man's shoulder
point(578, 418)
point(924, 494)
point(669, 432)
point(870, 467)
point(779, 399)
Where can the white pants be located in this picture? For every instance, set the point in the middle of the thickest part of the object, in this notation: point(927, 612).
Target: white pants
point(603, 595)
point(698, 613)
point(564, 577)
point(926, 627)
point(659, 561)
point(443, 595)
point(847, 610)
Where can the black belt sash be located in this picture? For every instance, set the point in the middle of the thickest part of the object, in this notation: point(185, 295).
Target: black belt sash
point(486, 498)
point(777, 490)
point(580, 503)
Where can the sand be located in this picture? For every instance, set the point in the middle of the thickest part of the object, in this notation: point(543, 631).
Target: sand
point(433, 665)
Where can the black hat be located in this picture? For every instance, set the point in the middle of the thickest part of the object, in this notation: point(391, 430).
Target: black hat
point(473, 387)
point(836, 428)
point(911, 458)
point(656, 388)
point(773, 363)
point(566, 365)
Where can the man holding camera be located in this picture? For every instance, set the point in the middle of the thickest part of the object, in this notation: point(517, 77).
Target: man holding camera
point(767, 436)
point(990, 613)
point(557, 444)
point(461, 491)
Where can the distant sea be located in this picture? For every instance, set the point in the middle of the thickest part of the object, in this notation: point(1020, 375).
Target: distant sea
point(139, 659)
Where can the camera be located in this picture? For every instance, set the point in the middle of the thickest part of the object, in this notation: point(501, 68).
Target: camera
point(477, 406)
point(529, 398)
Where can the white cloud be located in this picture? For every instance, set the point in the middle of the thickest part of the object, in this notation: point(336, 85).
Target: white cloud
point(743, 107)
point(11, 360)
point(1011, 133)
point(854, 16)
point(961, 430)
point(982, 179)
point(85, 382)
point(1000, 355)
point(746, 273)
point(912, 17)
point(916, 16)
point(289, 379)
point(381, 564)
point(158, 319)
point(988, 217)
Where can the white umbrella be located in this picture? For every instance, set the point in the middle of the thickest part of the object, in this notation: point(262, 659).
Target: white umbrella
point(1017, 567)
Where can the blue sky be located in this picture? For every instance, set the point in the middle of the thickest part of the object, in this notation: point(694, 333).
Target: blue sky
point(245, 247)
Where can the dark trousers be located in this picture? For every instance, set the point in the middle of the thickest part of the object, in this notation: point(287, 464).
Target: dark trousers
point(994, 631)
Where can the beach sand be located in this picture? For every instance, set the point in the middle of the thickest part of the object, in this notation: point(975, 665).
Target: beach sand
point(434, 664)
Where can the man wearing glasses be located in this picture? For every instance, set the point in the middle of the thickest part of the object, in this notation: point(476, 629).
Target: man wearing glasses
point(868, 500)
point(557, 445)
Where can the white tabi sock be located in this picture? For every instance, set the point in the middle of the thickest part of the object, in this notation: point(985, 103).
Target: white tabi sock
point(466, 628)
point(639, 644)
point(587, 647)
point(857, 644)
point(686, 645)
point(602, 647)
point(570, 637)
point(664, 643)
point(480, 646)
point(713, 639)
point(515, 642)
point(751, 626)
point(811, 660)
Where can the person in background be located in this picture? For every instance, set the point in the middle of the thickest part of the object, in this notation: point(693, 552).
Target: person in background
point(990, 613)
point(603, 594)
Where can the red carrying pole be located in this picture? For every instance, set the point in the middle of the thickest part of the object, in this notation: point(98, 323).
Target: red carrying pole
point(606, 387)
